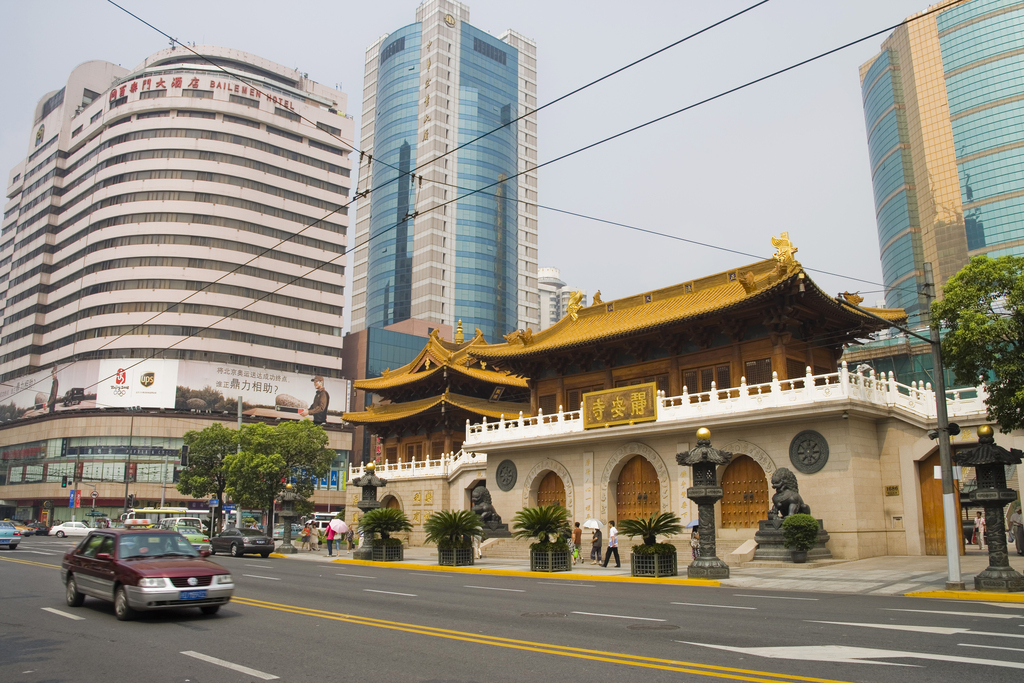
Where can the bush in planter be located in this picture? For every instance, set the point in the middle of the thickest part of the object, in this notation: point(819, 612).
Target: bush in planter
point(800, 532)
point(453, 531)
point(549, 524)
point(384, 521)
point(653, 558)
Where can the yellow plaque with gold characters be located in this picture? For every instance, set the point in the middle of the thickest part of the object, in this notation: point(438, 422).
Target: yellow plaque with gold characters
point(622, 406)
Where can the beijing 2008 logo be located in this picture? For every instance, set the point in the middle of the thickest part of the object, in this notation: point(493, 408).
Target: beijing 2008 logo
point(120, 377)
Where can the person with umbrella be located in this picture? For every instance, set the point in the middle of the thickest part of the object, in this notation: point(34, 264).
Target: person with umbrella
point(595, 549)
point(335, 528)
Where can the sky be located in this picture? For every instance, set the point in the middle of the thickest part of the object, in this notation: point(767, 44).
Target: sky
point(786, 154)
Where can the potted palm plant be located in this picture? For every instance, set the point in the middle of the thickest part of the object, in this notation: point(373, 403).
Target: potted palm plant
point(385, 521)
point(800, 532)
point(653, 558)
point(453, 531)
point(549, 524)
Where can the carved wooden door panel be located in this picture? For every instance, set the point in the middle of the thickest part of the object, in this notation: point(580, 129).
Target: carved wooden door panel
point(931, 508)
point(392, 502)
point(638, 492)
point(551, 491)
point(745, 501)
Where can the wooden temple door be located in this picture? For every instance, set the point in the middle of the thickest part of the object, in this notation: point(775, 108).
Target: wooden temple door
point(392, 502)
point(638, 493)
point(552, 490)
point(745, 494)
point(931, 508)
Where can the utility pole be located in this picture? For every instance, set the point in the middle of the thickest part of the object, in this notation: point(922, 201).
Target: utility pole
point(128, 463)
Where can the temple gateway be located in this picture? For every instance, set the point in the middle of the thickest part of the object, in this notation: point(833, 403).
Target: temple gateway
point(599, 405)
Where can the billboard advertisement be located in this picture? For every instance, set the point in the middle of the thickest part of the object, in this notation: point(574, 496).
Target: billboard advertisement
point(174, 385)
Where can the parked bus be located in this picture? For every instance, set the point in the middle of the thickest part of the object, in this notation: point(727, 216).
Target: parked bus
point(156, 515)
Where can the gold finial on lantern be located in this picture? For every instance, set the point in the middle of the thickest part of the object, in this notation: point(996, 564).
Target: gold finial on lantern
point(704, 434)
point(985, 430)
point(370, 466)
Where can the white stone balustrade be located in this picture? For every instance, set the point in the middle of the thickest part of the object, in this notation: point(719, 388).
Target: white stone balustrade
point(803, 392)
point(447, 465)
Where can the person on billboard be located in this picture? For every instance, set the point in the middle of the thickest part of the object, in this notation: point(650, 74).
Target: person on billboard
point(318, 411)
point(52, 402)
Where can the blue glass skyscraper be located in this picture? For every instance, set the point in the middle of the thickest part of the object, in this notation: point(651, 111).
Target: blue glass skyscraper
point(444, 233)
point(944, 110)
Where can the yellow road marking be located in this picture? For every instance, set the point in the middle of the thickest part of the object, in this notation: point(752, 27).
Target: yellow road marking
point(968, 595)
point(547, 648)
point(37, 564)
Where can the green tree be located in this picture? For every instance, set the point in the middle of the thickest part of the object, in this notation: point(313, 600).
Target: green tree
point(270, 457)
point(982, 311)
point(205, 475)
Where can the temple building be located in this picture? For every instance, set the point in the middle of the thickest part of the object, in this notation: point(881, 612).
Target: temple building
point(618, 388)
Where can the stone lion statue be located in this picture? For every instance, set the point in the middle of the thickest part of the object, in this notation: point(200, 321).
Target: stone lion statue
point(481, 498)
point(787, 500)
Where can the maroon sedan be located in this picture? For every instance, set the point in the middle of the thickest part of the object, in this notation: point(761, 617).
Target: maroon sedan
point(143, 569)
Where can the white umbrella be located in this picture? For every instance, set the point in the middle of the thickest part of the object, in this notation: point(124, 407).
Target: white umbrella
point(339, 526)
point(592, 524)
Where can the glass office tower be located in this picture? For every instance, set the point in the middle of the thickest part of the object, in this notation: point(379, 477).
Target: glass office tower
point(448, 234)
point(944, 109)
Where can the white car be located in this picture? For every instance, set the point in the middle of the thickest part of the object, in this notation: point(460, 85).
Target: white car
point(70, 529)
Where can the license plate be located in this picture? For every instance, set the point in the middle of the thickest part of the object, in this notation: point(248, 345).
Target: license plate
point(259, 542)
point(192, 595)
point(5, 540)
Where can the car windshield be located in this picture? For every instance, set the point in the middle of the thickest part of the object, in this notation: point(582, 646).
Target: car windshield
point(154, 545)
point(251, 532)
point(6, 525)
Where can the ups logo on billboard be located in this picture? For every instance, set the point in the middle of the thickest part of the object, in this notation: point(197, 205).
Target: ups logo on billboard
point(147, 379)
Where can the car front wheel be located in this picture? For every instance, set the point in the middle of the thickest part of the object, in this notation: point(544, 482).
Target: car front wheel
point(60, 534)
point(236, 550)
point(122, 609)
point(71, 594)
point(209, 609)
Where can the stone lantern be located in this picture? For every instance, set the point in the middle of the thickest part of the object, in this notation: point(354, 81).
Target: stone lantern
point(704, 460)
point(989, 461)
point(369, 482)
point(287, 516)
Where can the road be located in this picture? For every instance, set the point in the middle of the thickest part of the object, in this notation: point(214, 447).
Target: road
point(313, 621)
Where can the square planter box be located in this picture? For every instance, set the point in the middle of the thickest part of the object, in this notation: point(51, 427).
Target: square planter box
point(455, 557)
point(388, 553)
point(560, 561)
point(654, 565)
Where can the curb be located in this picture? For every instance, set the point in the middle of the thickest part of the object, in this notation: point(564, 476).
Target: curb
point(564, 576)
point(968, 595)
point(278, 555)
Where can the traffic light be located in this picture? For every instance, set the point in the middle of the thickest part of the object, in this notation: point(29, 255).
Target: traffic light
point(131, 500)
point(184, 456)
point(64, 482)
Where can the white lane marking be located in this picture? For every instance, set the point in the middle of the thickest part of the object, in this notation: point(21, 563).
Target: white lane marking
point(852, 655)
point(960, 614)
point(408, 595)
point(268, 578)
point(427, 572)
point(63, 614)
point(771, 597)
point(992, 647)
point(701, 604)
point(938, 630)
point(562, 583)
point(489, 588)
point(260, 564)
point(42, 552)
point(357, 576)
point(616, 616)
point(230, 665)
point(1004, 605)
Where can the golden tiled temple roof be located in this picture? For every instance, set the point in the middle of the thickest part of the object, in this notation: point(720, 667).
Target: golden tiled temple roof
point(394, 412)
point(651, 311)
point(436, 356)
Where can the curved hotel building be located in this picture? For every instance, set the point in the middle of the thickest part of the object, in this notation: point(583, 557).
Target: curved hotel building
point(174, 239)
point(426, 248)
point(944, 109)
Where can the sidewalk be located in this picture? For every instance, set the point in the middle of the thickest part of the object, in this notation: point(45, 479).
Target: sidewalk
point(889, 575)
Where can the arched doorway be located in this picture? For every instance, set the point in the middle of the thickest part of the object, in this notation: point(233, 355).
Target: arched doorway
point(392, 502)
point(551, 491)
point(745, 494)
point(637, 493)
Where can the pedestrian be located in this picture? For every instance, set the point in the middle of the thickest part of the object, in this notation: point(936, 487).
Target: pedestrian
point(577, 544)
point(304, 535)
point(330, 542)
point(695, 543)
point(595, 546)
point(477, 552)
point(979, 530)
point(314, 537)
point(348, 538)
point(613, 544)
point(1017, 530)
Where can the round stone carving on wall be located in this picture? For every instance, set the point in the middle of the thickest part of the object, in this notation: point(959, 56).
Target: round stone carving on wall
point(506, 475)
point(808, 451)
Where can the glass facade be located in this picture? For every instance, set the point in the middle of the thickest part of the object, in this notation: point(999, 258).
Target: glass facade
point(892, 180)
point(389, 270)
point(981, 45)
point(487, 245)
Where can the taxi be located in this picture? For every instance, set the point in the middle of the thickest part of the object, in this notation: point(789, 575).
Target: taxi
point(143, 569)
point(9, 536)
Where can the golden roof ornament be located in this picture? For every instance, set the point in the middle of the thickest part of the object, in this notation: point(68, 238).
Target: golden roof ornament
point(784, 250)
point(597, 298)
point(853, 298)
point(459, 336)
point(573, 309)
point(524, 337)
